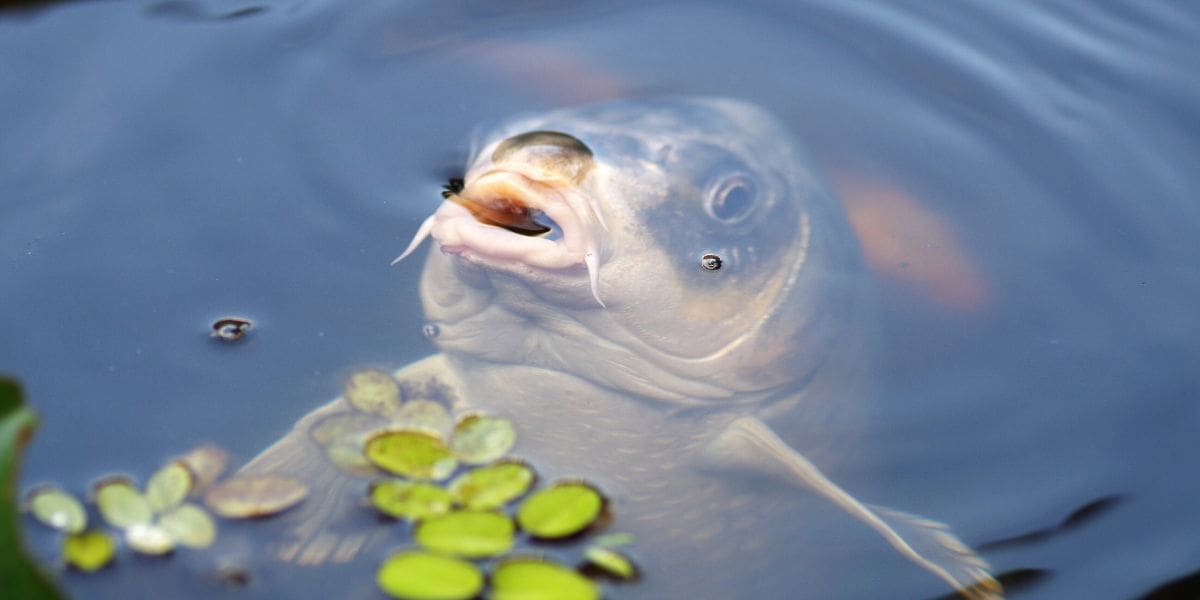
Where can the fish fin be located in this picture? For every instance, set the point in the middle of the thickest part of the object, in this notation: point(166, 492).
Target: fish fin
point(323, 528)
point(927, 543)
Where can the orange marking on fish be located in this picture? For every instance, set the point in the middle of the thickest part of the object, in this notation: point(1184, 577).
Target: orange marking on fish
point(903, 241)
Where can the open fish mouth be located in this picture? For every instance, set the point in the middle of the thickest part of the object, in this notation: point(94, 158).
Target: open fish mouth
point(503, 216)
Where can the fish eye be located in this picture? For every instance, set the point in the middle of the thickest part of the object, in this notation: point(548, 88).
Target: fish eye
point(731, 199)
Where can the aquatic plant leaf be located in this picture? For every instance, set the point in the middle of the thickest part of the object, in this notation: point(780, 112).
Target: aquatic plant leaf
point(538, 579)
point(611, 562)
point(611, 540)
point(373, 391)
point(206, 464)
point(120, 503)
point(88, 550)
point(413, 454)
point(350, 459)
point(148, 538)
point(348, 428)
point(246, 497)
point(189, 526)
point(480, 439)
point(425, 576)
point(563, 509)
point(409, 500)
point(493, 486)
point(168, 486)
point(19, 576)
point(58, 509)
point(470, 534)
point(424, 415)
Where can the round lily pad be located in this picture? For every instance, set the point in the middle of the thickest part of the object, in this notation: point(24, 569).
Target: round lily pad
point(563, 509)
point(348, 428)
point(493, 486)
point(147, 538)
point(409, 500)
point(424, 415)
point(206, 464)
point(420, 575)
point(189, 526)
point(538, 579)
point(350, 459)
point(168, 486)
point(470, 534)
point(120, 503)
point(57, 508)
point(412, 454)
point(89, 550)
point(373, 391)
point(246, 497)
point(480, 439)
point(611, 563)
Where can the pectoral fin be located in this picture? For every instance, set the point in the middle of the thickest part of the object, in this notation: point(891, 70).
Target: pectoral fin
point(323, 528)
point(749, 443)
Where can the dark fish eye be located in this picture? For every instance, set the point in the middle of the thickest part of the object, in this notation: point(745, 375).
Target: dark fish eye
point(731, 199)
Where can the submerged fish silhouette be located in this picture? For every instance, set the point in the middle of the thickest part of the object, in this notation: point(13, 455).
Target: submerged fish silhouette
point(617, 353)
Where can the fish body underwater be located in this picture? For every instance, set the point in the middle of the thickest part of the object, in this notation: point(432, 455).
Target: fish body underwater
point(658, 294)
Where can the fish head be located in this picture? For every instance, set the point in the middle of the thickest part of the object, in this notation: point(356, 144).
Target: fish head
point(679, 249)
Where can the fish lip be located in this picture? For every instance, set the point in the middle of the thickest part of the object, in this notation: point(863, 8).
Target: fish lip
point(458, 232)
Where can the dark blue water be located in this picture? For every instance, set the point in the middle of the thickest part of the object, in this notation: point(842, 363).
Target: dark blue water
point(163, 164)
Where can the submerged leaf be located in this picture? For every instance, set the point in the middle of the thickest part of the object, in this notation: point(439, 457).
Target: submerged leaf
point(538, 579)
point(58, 509)
point(413, 454)
point(189, 526)
point(346, 428)
point(89, 550)
point(480, 439)
point(611, 562)
point(492, 486)
point(246, 497)
point(206, 464)
point(409, 500)
point(420, 575)
point(147, 538)
point(373, 391)
point(563, 509)
point(424, 415)
point(120, 503)
point(168, 486)
point(469, 534)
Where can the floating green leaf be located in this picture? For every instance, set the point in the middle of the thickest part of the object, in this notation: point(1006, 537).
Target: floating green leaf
point(374, 392)
point(409, 500)
point(120, 503)
point(246, 497)
point(206, 464)
point(538, 579)
point(148, 538)
point(419, 575)
point(413, 454)
point(57, 508)
point(168, 486)
point(480, 439)
point(189, 526)
point(89, 550)
point(493, 486)
point(470, 534)
point(424, 415)
point(19, 576)
point(611, 562)
point(560, 510)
